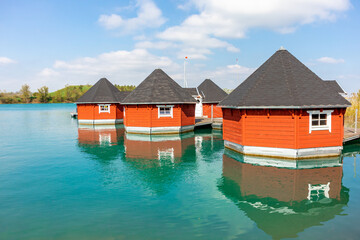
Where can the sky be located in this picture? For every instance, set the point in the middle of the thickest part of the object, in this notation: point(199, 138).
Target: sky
point(65, 42)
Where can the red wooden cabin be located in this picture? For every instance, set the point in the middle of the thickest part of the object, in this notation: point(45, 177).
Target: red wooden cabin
point(101, 104)
point(159, 106)
point(211, 94)
point(284, 110)
point(207, 95)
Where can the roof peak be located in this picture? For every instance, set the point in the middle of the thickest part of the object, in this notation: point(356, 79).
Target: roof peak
point(283, 81)
point(103, 91)
point(159, 87)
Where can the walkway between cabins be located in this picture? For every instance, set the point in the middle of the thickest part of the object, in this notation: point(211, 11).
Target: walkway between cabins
point(215, 123)
point(350, 134)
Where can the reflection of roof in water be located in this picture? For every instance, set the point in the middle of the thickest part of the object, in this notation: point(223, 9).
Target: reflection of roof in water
point(284, 202)
point(102, 143)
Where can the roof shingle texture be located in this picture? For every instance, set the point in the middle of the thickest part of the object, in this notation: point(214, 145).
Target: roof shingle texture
point(211, 92)
point(283, 82)
point(158, 88)
point(103, 92)
point(332, 84)
point(192, 91)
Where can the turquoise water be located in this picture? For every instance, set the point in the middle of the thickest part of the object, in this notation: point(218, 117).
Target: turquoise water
point(61, 181)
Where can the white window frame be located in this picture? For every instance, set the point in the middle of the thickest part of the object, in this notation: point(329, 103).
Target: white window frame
point(103, 105)
point(324, 127)
point(165, 115)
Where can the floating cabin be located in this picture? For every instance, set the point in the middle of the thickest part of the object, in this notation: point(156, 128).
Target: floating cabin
point(208, 95)
point(159, 106)
point(284, 110)
point(101, 104)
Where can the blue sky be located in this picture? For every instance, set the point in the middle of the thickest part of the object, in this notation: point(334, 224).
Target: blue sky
point(55, 43)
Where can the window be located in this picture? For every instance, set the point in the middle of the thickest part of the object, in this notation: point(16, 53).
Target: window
point(318, 191)
point(319, 120)
point(104, 108)
point(105, 139)
point(165, 111)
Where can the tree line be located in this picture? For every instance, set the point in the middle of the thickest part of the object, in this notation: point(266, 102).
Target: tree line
point(350, 114)
point(67, 94)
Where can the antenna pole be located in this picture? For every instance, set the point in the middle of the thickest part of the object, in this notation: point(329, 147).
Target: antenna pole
point(185, 83)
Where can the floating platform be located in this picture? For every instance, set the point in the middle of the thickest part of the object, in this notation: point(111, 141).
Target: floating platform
point(350, 134)
point(215, 123)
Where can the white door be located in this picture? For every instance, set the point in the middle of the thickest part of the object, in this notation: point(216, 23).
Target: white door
point(198, 108)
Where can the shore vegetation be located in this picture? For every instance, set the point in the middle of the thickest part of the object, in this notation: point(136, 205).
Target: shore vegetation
point(68, 94)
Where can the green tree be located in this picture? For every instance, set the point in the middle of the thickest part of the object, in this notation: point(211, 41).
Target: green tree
point(125, 87)
point(43, 94)
point(25, 93)
point(354, 99)
point(67, 92)
point(57, 97)
point(75, 94)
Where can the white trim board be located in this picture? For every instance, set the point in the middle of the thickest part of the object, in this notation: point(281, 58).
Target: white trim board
point(100, 121)
point(285, 152)
point(159, 130)
point(159, 138)
point(285, 163)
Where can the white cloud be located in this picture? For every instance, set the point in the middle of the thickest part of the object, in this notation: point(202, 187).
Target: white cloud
point(330, 60)
point(155, 45)
point(231, 75)
point(5, 60)
point(48, 72)
point(111, 21)
point(193, 53)
point(120, 67)
point(231, 19)
point(131, 67)
point(148, 16)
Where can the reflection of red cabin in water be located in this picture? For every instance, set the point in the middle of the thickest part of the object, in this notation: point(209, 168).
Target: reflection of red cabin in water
point(159, 105)
point(284, 202)
point(101, 104)
point(100, 135)
point(286, 185)
point(171, 147)
point(284, 110)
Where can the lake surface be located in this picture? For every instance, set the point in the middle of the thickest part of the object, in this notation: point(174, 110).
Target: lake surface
point(62, 181)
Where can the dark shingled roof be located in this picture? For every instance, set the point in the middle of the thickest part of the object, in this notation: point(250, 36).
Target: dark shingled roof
point(332, 84)
point(192, 91)
point(158, 88)
point(283, 82)
point(102, 92)
point(211, 92)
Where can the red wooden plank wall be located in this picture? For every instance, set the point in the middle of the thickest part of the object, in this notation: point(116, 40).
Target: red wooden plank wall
point(147, 116)
point(217, 112)
point(280, 128)
point(91, 112)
